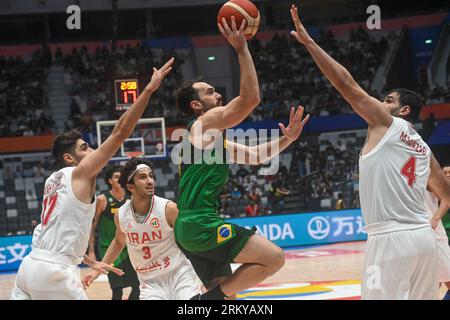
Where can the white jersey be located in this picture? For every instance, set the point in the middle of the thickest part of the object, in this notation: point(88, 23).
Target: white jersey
point(65, 221)
point(151, 244)
point(393, 180)
point(432, 205)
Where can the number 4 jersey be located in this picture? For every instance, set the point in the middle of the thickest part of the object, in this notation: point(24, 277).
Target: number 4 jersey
point(393, 180)
point(150, 242)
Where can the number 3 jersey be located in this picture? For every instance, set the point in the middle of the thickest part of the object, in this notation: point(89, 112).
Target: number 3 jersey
point(65, 221)
point(393, 178)
point(150, 243)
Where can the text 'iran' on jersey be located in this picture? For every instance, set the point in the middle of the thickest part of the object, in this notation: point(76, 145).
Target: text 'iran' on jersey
point(151, 243)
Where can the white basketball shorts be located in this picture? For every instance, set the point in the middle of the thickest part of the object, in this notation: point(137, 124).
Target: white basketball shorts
point(179, 284)
point(42, 280)
point(401, 265)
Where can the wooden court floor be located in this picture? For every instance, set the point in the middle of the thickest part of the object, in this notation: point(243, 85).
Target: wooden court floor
point(325, 272)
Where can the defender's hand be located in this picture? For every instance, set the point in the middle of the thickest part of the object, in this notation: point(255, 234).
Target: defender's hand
point(300, 32)
point(105, 268)
point(159, 75)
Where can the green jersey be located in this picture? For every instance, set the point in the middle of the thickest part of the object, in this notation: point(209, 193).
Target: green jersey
point(202, 174)
point(446, 222)
point(107, 227)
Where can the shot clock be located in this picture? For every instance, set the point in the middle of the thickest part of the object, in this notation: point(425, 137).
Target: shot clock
point(126, 91)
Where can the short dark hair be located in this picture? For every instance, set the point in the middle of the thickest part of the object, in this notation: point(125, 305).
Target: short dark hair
point(109, 171)
point(129, 167)
point(184, 96)
point(64, 143)
point(412, 99)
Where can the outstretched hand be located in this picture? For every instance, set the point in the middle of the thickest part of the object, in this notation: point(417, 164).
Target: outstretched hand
point(295, 127)
point(98, 268)
point(105, 268)
point(234, 36)
point(159, 75)
point(300, 32)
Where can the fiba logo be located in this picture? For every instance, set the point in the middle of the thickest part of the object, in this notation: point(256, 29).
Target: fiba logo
point(318, 228)
point(154, 223)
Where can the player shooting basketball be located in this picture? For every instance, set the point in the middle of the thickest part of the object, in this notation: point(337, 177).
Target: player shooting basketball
point(50, 270)
point(395, 167)
point(207, 240)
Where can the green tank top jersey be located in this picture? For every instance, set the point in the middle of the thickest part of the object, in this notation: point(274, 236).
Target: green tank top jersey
point(201, 181)
point(107, 227)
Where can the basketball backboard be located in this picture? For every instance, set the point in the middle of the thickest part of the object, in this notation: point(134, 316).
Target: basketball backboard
point(147, 140)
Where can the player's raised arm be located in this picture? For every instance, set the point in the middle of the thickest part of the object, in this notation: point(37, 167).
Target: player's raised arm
point(263, 152)
point(369, 108)
point(240, 107)
point(93, 163)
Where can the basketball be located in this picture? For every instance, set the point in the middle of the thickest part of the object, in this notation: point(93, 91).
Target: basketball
point(241, 9)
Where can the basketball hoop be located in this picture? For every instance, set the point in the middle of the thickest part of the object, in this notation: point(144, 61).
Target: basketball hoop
point(134, 154)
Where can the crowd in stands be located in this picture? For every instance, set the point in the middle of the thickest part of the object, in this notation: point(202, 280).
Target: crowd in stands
point(289, 77)
point(287, 74)
point(23, 99)
point(316, 171)
point(439, 94)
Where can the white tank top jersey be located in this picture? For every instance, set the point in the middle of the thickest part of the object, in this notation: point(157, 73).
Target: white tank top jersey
point(151, 244)
point(431, 206)
point(393, 180)
point(65, 221)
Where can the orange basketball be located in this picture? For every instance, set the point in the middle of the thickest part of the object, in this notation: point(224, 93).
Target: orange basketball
point(241, 9)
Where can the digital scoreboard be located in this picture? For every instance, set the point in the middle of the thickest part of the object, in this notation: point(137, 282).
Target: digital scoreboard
point(126, 92)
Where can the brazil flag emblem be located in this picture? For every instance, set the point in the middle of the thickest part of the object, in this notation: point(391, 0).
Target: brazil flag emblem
point(224, 232)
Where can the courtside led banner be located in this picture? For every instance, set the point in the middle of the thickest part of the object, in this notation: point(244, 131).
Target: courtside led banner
point(12, 251)
point(286, 230)
point(299, 229)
